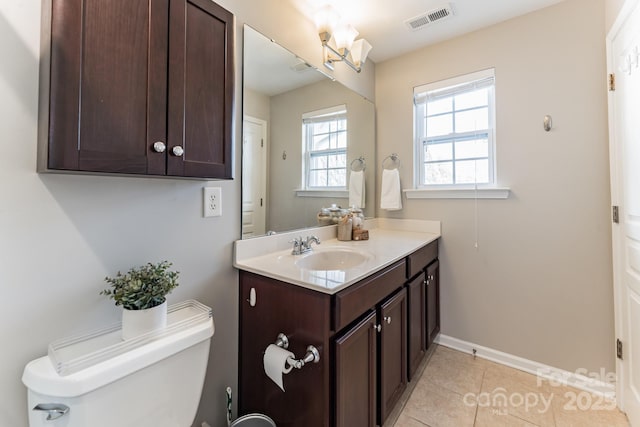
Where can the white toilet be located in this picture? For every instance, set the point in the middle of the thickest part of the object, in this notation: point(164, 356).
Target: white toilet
point(154, 381)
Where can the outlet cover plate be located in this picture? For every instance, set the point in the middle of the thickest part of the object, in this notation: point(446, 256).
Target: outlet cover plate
point(212, 202)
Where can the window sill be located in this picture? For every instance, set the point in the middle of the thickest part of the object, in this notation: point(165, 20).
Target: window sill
point(340, 194)
point(458, 193)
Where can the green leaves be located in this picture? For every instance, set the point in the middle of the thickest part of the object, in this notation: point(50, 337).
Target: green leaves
point(142, 287)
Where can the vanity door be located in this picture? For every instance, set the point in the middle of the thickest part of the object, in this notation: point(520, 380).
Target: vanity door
point(417, 322)
point(355, 374)
point(433, 301)
point(393, 352)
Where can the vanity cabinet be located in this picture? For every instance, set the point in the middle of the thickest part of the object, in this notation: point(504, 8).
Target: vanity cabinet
point(356, 363)
point(304, 316)
point(393, 352)
point(423, 303)
point(370, 363)
point(417, 322)
point(362, 333)
point(137, 87)
point(433, 301)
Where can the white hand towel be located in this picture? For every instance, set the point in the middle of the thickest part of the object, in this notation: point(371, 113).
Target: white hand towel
point(390, 195)
point(356, 189)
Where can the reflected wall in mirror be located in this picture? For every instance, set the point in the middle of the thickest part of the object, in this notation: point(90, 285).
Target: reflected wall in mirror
point(282, 92)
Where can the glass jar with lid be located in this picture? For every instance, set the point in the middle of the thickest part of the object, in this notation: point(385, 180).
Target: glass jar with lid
point(336, 212)
point(358, 217)
point(324, 217)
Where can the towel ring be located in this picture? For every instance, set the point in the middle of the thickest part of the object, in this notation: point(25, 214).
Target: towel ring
point(361, 165)
point(393, 158)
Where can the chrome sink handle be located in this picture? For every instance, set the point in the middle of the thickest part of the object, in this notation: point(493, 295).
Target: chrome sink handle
point(298, 243)
point(54, 410)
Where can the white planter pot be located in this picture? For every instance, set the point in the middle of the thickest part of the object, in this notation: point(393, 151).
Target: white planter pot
point(138, 322)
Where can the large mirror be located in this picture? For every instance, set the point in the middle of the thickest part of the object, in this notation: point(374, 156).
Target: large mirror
point(305, 138)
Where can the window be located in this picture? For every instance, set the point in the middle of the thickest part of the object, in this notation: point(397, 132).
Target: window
point(325, 148)
point(454, 132)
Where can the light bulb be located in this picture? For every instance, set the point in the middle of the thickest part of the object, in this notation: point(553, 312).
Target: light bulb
point(359, 52)
point(326, 19)
point(344, 36)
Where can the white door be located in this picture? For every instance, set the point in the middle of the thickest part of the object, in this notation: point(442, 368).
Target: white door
point(254, 176)
point(623, 44)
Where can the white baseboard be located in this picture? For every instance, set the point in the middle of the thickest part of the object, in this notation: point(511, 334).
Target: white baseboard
point(582, 382)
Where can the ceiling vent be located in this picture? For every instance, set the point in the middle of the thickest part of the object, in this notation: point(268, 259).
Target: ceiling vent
point(435, 15)
point(301, 66)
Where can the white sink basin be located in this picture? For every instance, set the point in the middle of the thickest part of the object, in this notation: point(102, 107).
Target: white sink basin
point(333, 259)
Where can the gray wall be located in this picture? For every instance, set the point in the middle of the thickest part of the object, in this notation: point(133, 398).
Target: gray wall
point(60, 235)
point(256, 104)
point(540, 284)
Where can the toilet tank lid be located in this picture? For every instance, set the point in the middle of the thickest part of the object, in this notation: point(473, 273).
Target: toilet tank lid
point(63, 375)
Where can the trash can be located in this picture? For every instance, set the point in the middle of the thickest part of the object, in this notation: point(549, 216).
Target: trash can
point(253, 420)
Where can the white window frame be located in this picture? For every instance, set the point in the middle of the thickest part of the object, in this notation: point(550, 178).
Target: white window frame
point(457, 84)
point(325, 114)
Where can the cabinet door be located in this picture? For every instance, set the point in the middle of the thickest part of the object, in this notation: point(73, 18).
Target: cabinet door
point(393, 352)
point(355, 375)
point(201, 75)
point(107, 82)
point(417, 322)
point(433, 301)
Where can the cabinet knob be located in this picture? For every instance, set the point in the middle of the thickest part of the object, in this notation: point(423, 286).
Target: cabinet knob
point(388, 320)
point(425, 281)
point(377, 328)
point(177, 151)
point(159, 147)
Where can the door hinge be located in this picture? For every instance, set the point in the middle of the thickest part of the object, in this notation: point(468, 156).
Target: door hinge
point(615, 214)
point(619, 349)
point(260, 201)
point(261, 143)
point(612, 82)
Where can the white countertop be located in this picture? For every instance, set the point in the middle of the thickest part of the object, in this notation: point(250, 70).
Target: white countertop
point(389, 241)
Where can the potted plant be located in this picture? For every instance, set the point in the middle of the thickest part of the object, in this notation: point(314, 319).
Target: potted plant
point(142, 294)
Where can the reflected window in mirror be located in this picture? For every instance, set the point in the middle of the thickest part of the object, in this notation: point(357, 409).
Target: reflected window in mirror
point(325, 148)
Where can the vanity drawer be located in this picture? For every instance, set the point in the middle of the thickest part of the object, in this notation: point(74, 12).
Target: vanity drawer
point(354, 301)
point(421, 258)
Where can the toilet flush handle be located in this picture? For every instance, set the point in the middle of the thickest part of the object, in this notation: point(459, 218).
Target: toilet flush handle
point(54, 410)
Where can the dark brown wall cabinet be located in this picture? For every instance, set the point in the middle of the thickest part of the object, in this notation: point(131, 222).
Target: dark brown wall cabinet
point(137, 87)
point(363, 334)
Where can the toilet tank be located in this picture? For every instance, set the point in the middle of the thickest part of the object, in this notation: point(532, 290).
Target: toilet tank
point(153, 380)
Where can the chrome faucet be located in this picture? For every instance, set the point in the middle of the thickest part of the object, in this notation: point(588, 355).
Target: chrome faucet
point(303, 246)
point(309, 241)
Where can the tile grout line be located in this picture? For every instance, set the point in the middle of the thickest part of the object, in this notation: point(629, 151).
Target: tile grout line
point(475, 417)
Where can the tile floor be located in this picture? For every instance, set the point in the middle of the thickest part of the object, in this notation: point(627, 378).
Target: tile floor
point(457, 390)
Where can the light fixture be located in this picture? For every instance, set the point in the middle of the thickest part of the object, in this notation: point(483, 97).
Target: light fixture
point(338, 41)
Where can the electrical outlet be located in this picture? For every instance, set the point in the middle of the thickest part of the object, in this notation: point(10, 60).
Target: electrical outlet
point(212, 201)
